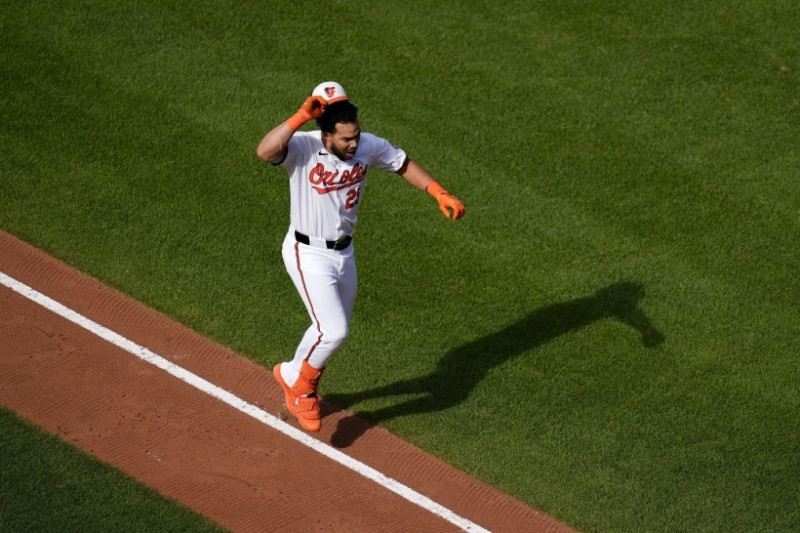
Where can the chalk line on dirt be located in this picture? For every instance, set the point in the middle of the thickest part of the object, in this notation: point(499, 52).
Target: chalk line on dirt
point(237, 403)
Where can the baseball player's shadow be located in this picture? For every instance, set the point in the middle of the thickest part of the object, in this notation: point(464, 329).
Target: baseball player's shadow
point(464, 367)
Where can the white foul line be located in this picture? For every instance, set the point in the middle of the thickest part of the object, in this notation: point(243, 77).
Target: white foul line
point(238, 403)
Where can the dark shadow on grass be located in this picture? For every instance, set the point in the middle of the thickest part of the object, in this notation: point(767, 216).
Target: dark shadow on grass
point(461, 369)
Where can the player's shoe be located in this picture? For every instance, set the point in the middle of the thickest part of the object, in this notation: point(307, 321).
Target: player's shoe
point(301, 399)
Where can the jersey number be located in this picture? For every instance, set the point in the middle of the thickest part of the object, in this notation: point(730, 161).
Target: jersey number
point(352, 198)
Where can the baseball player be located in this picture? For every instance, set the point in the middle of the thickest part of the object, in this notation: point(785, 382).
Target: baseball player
point(327, 172)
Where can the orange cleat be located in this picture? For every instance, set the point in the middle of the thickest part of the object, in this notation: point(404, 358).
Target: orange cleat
point(301, 399)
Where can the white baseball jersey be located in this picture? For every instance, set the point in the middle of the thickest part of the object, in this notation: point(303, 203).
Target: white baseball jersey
point(326, 191)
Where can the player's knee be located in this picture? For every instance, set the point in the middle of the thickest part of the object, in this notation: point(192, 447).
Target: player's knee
point(335, 337)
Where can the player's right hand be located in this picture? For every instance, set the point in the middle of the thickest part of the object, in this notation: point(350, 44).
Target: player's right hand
point(313, 107)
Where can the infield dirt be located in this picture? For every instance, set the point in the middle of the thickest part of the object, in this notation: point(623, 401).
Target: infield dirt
point(193, 448)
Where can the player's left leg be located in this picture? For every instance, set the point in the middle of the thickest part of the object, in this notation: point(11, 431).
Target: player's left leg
point(348, 283)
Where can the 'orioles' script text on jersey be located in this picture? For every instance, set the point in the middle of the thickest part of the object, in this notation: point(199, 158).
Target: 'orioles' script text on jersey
point(324, 181)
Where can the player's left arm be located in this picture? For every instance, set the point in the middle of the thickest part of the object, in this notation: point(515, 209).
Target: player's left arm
point(416, 175)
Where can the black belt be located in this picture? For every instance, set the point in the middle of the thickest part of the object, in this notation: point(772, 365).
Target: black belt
point(341, 244)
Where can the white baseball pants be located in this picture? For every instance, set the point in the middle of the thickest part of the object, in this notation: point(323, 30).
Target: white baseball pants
point(326, 281)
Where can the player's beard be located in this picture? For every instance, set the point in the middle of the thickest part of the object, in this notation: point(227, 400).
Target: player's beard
point(344, 156)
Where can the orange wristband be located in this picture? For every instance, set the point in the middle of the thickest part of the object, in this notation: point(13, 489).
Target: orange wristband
point(297, 120)
point(435, 189)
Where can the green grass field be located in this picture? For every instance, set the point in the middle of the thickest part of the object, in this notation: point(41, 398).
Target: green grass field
point(610, 332)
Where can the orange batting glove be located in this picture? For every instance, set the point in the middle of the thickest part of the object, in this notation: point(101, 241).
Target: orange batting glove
point(447, 202)
point(313, 107)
